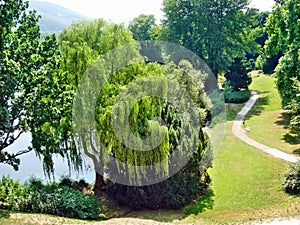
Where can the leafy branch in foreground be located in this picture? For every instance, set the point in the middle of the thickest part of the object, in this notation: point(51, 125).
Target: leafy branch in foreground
point(33, 90)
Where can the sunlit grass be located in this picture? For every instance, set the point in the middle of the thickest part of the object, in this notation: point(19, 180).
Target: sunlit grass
point(246, 182)
point(267, 121)
point(246, 185)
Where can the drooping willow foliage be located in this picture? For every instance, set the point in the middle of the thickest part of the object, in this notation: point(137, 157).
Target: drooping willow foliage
point(148, 129)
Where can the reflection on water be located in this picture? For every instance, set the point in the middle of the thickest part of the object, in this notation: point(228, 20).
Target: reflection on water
point(32, 166)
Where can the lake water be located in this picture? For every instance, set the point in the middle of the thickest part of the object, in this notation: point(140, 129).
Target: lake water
point(31, 165)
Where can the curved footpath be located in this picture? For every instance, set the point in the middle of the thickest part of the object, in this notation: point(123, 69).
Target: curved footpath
point(241, 133)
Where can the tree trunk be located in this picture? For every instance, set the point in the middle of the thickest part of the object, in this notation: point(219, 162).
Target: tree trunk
point(99, 184)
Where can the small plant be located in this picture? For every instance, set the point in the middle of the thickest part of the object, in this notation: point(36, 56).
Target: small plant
point(292, 179)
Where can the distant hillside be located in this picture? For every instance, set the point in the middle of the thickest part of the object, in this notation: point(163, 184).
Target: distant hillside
point(55, 18)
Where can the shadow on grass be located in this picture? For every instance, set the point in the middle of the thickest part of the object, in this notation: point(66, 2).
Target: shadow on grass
point(259, 106)
point(205, 203)
point(232, 109)
point(283, 120)
point(4, 214)
point(297, 152)
point(291, 138)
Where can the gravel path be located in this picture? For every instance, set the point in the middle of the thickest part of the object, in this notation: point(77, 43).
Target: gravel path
point(241, 133)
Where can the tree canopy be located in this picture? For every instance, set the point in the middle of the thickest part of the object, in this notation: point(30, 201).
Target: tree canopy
point(217, 31)
point(283, 28)
point(141, 27)
point(33, 92)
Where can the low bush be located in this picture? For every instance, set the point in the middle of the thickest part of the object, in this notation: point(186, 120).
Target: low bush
point(237, 96)
point(13, 195)
point(49, 199)
point(64, 201)
point(291, 182)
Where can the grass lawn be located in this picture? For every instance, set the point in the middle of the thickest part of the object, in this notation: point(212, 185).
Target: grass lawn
point(246, 185)
point(268, 122)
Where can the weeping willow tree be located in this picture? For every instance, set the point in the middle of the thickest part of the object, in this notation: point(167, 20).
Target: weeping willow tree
point(143, 126)
point(80, 45)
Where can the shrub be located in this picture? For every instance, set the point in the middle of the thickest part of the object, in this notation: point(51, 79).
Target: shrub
point(237, 96)
point(48, 199)
point(13, 196)
point(292, 179)
point(64, 201)
point(270, 64)
point(34, 183)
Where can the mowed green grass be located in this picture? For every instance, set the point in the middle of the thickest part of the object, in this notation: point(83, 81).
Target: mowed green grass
point(267, 121)
point(246, 185)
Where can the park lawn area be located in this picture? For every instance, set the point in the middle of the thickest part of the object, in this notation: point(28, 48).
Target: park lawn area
point(246, 185)
point(267, 121)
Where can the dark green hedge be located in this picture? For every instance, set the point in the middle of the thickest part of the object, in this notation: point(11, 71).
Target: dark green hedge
point(237, 96)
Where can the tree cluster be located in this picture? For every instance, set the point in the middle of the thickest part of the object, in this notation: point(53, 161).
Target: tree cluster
point(283, 29)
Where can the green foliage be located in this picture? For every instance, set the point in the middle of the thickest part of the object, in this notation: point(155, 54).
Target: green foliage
point(205, 27)
point(294, 109)
point(49, 199)
point(33, 93)
point(140, 116)
point(237, 75)
point(141, 27)
point(83, 41)
point(63, 201)
point(292, 179)
point(269, 64)
point(283, 29)
point(237, 96)
point(34, 183)
point(178, 190)
point(13, 196)
point(65, 181)
point(16, 64)
point(174, 193)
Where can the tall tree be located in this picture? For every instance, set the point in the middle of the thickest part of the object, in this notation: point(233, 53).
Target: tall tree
point(283, 28)
point(32, 89)
point(158, 148)
point(217, 31)
point(81, 44)
point(141, 27)
point(237, 75)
